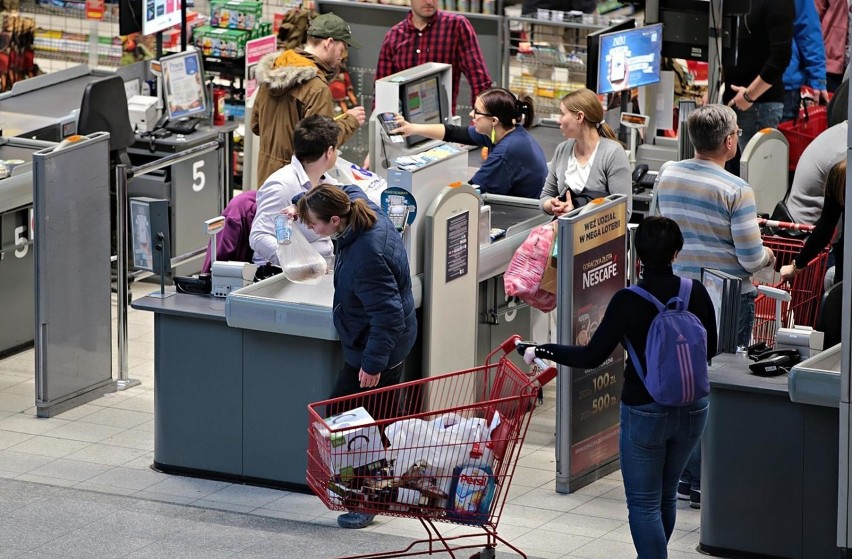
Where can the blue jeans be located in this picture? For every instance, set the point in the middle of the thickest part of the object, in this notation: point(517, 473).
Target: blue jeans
point(756, 118)
point(792, 100)
point(655, 443)
point(745, 319)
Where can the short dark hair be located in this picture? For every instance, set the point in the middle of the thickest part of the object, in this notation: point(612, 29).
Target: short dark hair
point(657, 240)
point(313, 136)
point(508, 109)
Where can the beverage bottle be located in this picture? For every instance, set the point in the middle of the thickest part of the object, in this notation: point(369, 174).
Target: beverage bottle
point(283, 229)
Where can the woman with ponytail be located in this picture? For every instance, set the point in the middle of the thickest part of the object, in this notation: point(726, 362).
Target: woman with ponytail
point(373, 303)
point(515, 164)
point(590, 164)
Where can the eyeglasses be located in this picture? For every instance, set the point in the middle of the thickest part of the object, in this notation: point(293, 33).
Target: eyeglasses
point(738, 132)
point(478, 114)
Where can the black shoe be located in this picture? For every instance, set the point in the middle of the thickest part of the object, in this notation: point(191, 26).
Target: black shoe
point(695, 498)
point(683, 488)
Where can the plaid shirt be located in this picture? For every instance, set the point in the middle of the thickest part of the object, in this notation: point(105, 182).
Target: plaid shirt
point(448, 38)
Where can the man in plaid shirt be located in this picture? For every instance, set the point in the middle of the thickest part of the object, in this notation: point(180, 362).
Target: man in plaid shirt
point(429, 35)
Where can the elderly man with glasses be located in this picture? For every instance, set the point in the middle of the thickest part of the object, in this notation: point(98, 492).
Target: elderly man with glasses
point(717, 214)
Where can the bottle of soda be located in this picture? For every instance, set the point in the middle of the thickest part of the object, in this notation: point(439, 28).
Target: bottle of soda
point(283, 229)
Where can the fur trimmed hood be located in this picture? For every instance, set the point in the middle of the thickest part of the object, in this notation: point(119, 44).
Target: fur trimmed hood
point(282, 71)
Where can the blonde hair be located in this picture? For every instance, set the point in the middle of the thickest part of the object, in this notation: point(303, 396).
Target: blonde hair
point(586, 101)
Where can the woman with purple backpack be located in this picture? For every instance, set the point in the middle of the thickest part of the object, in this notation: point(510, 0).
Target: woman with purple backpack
point(656, 438)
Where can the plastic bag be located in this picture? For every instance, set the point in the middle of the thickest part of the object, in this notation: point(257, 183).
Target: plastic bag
point(346, 172)
point(300, 262)
point(525, 271)
point(441, 444)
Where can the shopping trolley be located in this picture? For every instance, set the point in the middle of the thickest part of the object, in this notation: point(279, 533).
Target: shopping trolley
point(396, 451)
point(804, 291)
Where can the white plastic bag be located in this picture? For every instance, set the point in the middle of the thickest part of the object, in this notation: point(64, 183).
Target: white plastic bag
point(346, 172)
point(300, 262)
point(441, 444)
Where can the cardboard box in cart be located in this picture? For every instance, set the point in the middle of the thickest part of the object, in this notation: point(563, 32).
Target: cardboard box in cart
point(358, 445)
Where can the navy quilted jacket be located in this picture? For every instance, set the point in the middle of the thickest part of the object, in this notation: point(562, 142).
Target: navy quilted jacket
point(373, 304)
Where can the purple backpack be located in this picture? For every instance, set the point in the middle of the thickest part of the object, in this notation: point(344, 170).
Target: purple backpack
point(675, 351)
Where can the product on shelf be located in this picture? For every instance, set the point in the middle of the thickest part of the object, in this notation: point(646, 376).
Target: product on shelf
point(221, 43)
point(235, 14)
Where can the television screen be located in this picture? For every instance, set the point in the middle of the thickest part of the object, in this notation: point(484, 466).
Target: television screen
point(629, 58)
point(183, 77)
point(160, 15)
point(593, 50)
point(422, 104)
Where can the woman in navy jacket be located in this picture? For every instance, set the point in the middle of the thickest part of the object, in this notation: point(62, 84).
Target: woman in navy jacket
point(373, 304)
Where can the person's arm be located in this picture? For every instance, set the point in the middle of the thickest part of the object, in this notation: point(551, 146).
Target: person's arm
point(257, 109)
point(617, 173)
point(471, 61)
point(494, 176)
point(609, 334)
point(818, 239)
point(547, 200)
point(779, 21)
point(748, 245)
point(405, 129)
point(375, 286)
point(318, 101)
point(701, 306)
point(262, 237)
point(811, 47)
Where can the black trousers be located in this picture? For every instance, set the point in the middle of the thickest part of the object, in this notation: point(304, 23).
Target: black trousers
point(381, 406)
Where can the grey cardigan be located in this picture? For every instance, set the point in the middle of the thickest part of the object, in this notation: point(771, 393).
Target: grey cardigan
point(610, 172)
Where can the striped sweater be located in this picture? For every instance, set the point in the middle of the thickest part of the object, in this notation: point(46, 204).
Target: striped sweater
point(717, 214)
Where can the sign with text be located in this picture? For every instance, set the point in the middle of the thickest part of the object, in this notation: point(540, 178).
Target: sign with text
point(593, 267)
point(255, 50)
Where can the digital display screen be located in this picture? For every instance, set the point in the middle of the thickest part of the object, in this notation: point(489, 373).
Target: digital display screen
point(422, 105)
point(183, 76)
point(160, 15)
point(629, 58)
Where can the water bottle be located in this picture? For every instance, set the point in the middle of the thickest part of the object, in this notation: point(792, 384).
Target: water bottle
point(283, 229)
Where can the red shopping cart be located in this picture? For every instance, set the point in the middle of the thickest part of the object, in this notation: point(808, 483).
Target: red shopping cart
point(440, 449)
point(805, 290)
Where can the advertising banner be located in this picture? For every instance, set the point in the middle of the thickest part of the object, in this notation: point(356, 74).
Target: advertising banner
point(593, 267)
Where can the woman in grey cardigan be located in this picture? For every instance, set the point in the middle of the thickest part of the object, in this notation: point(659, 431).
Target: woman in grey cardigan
point(590, 164)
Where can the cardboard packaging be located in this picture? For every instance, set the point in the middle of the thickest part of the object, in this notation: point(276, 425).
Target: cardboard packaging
point(235, 14)
point(358, 445)
point(549, 278)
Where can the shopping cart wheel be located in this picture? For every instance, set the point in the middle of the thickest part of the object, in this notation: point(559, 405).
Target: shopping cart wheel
point(486, 553)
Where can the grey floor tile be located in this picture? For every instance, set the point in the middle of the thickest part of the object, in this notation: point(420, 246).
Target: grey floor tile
point(11, 438)
point(246, 495)
point(193, 488)
point(132, 438)
point(581, 525)
point(550, 500)
point(74, 470)
point(21, 463)
point(606, 549)
point(88, 432)
point(49, 446)
point(23, 423)
point(116, 417)
point(545, 540)
point(88, 543)
point(108, 455)
point(130, 478)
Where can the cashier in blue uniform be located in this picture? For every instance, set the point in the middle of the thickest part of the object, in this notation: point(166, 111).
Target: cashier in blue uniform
point(515, 164)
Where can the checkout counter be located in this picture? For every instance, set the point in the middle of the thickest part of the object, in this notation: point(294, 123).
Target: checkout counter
point(770, 460)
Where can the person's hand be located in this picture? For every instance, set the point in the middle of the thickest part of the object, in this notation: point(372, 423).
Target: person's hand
point(403, 127)
point(739, 100)
point(291, 212)
point(368, 380)
point(558, 207)
point(822, 95)
point(366, 164)
point(771, 255)
point(788, 272)
point(359, 113)
point(529, 355)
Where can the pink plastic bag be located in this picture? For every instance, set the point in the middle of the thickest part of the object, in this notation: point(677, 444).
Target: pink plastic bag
point(523, 276)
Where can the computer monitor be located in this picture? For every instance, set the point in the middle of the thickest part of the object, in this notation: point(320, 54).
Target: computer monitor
point(629, 58)
point(183, 80)
point(160, 15)
point(593, 49)
point(422, 103)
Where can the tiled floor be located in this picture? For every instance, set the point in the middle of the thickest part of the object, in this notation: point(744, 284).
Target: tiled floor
point(101, 452)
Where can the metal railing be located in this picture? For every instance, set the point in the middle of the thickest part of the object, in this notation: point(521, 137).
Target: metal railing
point(124, 173)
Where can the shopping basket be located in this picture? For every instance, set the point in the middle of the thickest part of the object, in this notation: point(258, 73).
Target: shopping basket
point(805, 290)
point(439, 449)
point(811, 123)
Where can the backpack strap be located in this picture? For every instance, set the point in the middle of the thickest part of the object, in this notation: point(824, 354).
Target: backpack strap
point(630, 351)
point(685, 291)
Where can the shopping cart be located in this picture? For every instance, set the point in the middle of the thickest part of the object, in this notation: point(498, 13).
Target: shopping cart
point(402, 462)
point(804, 291)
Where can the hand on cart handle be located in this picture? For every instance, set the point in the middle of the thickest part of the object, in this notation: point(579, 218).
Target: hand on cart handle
point(789, 271)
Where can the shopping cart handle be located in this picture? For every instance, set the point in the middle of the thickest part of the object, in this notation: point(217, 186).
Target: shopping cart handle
point(547, 373)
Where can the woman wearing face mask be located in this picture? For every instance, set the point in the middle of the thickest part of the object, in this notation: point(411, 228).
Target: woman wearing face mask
point(515, 165)
point(373, 303)
point(590, 163)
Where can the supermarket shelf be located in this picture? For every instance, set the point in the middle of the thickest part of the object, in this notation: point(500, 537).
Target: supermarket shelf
point(74, 58)
point(35, 9)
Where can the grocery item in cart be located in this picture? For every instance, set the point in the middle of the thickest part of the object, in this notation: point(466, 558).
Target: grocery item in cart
point(359, 445)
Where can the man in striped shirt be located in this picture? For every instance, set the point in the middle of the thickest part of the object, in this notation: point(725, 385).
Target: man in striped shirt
point(430, 35)
point(715, 209)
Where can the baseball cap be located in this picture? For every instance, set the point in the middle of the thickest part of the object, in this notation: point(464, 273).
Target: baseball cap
point(330, 26)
